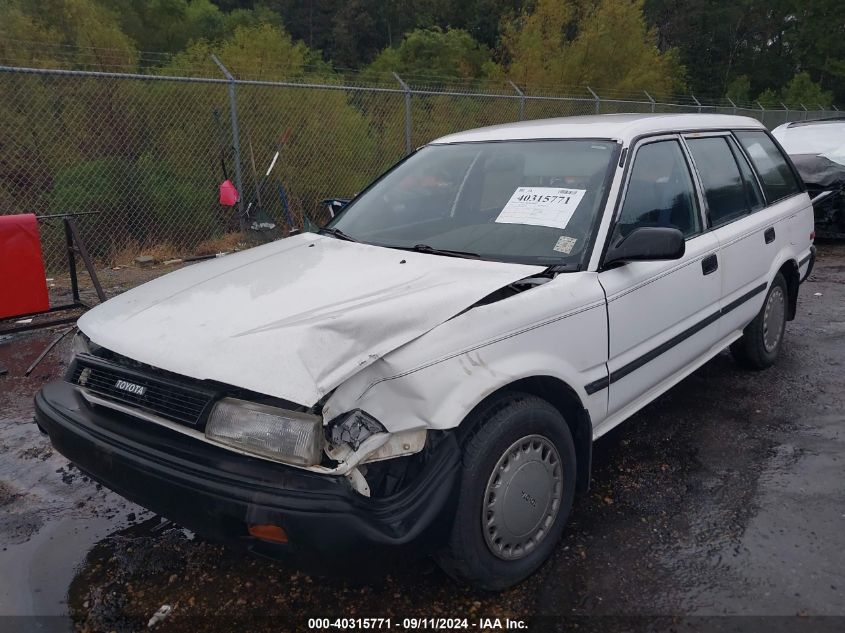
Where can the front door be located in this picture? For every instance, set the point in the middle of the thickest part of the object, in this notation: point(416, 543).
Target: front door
point(661, 314)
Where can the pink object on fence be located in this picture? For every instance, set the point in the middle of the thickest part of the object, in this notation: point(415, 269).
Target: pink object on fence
point(228, 194)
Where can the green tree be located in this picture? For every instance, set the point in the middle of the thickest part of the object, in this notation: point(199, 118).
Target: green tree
point(27, 42)
point(436, 54)
point(769, 98)
point(801, 89)
point(768, 40)
point(167, 26)
point(66, 33)
point(816, 44)
point(482, 19)
point(264, 51)
point(739, 90)
point(612, 48)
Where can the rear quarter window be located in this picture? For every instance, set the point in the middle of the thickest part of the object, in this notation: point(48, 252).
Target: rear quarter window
point(776, 175)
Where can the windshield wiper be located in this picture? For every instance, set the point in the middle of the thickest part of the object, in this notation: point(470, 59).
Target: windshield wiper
point(338, 234)
point(425, 248)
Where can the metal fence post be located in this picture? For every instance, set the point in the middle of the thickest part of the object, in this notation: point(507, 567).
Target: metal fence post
point(732, 103)
point(407, 90)
point(521, 100)
point(786, 110)
point(833, 105)
point(762, 113)
point(653, 102)
point(697, 102)
point(236, 140)
point(805, 110)
point(597, 98)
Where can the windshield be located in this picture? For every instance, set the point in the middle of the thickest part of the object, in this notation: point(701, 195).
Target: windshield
point(533, 202)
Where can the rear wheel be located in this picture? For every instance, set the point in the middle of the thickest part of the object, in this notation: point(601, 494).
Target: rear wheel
point(516, 492)
point(762, 339)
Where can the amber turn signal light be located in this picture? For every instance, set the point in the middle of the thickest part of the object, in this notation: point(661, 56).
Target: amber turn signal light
point(268, 532)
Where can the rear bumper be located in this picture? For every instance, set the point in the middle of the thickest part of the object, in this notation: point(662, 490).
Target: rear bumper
point(810, 261)
point(217, 493)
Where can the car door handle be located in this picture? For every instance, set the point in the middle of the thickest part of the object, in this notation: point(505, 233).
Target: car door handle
point(769, 234)
point(709, 264)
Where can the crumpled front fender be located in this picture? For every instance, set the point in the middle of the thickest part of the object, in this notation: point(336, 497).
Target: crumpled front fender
point(557, 330)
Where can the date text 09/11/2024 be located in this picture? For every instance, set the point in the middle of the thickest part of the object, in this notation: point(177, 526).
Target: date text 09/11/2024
point(481, 624)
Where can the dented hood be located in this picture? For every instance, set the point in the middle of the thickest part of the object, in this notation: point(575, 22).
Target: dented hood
point(294, 318)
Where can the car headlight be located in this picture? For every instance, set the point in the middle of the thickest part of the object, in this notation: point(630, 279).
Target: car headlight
point(285, 436)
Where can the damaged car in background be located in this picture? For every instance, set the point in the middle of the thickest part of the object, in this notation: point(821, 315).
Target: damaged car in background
point(817, 148)
point(427, 373)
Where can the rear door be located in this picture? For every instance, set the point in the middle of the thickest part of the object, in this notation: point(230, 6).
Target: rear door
point(660, 313)
point(750, 232)
point(783, 190)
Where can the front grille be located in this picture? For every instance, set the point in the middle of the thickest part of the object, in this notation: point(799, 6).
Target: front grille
point(143, 389)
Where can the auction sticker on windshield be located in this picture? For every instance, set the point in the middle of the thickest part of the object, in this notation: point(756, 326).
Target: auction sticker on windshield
point(541, 206)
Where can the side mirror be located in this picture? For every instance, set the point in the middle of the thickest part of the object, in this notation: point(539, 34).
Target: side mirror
point(647, 243)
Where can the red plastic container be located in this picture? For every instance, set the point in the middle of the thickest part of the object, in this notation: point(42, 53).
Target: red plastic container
point(23, 287)
point(228, 194)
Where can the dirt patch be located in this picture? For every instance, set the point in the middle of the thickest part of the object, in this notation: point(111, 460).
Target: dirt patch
point(43, 453)
point(8, 494)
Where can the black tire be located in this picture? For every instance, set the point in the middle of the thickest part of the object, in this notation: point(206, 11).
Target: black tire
point(497, 427)
point(759, 346)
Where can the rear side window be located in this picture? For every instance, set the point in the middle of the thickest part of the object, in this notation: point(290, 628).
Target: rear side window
point(752, 189)
point(777, 177)
point(724, 188)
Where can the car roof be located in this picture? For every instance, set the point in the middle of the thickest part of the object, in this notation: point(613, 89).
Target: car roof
point(811, 122)
point(621, 127)
point(820, 137)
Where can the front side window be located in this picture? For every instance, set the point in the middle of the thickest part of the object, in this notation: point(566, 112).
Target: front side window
point(727, 197)
point(660, 191)
point(533, 202)
point(777, 177)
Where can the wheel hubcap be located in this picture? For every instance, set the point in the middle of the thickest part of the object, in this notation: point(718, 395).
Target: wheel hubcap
point(522, 497)
point(773, 318)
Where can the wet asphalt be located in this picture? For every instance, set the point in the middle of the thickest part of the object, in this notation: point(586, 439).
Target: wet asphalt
point(720, 506)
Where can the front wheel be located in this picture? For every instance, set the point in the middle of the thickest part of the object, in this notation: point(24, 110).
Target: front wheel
point(762, 339)
point(516, 492)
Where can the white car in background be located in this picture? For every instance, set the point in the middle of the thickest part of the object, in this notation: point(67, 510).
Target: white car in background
point(429, 371)
point(817, 148)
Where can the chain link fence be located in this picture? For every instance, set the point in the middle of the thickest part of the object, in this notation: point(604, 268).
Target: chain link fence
point(148, 152)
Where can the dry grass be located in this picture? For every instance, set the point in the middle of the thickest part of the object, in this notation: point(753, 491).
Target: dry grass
point(226, 243)
point(126, 255)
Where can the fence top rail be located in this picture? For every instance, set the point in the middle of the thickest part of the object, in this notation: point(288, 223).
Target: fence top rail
point(457, 93)
point(107, 75)
point(685, 105)
point(316, 86)
point(553, 98)
point(432, 91)
point(96, 74)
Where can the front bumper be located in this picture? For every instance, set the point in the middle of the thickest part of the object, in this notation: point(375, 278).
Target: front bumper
point(218, 493)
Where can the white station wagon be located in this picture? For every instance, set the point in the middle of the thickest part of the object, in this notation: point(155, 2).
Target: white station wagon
point(427, 373)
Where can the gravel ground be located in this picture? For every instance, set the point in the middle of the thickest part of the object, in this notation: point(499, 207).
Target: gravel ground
point(720, 506)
